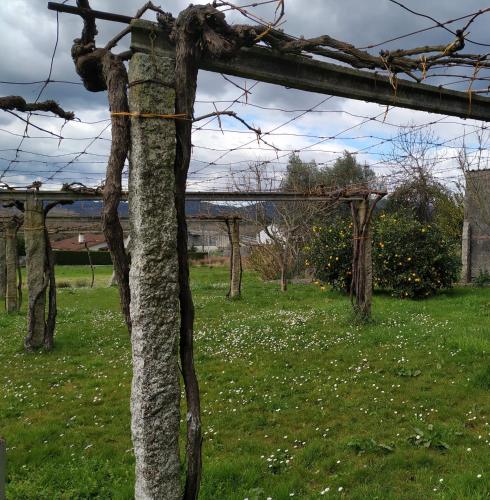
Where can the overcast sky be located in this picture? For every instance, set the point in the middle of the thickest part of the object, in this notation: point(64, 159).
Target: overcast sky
point(28, 31)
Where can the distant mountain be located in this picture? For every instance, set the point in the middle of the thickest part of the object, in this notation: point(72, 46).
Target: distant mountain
point(90, 208)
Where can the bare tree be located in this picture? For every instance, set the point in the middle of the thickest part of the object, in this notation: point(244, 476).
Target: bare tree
point(415, 156)
point(418, 192)
point(284, 225)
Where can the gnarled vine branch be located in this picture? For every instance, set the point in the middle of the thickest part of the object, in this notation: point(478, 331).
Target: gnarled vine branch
point(14, 102)
point(199, 30)
point(101, 70)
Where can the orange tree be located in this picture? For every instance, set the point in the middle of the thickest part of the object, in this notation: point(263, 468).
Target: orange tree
point(411, 259)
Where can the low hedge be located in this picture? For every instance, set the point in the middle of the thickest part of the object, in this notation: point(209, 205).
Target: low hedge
point(197, 255)
point(68, 258)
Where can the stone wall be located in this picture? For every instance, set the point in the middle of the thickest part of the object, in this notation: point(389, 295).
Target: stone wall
point(476, 231)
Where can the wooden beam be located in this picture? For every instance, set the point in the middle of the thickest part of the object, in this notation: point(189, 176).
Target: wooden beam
point(22, 195)
point(299, 72)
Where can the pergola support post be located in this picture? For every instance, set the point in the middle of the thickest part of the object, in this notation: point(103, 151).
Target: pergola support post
point(37, 281)
point(11, 259)
point(233, 227)
point(362, 262)
point(155, 393)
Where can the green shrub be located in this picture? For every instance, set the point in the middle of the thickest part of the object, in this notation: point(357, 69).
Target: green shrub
point(63, 284)
point(410, 259)
point(261, 259)
point(330, 253)
point(81, 283)
point(264, 259)
point(194, 255)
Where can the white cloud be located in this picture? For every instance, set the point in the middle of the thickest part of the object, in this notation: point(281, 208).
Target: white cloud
point(27, 50)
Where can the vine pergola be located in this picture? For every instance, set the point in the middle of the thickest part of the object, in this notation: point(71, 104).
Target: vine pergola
point(153, 127)
point(362, 202)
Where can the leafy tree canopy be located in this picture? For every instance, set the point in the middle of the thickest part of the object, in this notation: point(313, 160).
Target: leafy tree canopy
point(305, 176)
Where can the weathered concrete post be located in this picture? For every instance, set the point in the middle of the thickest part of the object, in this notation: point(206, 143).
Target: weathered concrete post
point(235, 260)
point(12, 298)
point(35, 270)
point(155, 395)
point(3, 268)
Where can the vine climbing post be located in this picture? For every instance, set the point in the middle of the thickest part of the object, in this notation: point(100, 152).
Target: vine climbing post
point(233, 227)
point(37, 282)
point(11, 259)
point(362, 261)
point(154, 280)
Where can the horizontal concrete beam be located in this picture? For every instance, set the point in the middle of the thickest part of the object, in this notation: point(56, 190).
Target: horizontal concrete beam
point(22, 195)
point(66, 219)
point(297, 72)
point(263, 64)
point(261, 196)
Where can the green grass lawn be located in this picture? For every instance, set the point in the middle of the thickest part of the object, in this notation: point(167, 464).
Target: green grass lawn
point(297, 401)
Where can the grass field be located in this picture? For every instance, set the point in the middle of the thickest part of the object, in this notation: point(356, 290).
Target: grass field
point(297, 401)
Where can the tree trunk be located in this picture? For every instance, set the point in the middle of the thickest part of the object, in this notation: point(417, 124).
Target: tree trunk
point(235, 259)
point(188, 40)
point(3, 268)
point(12, 299)
point(113, 279)
point(284, 279)
point(154, 276)
point(91, 265)
point(116, 79)
point(35, 270)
